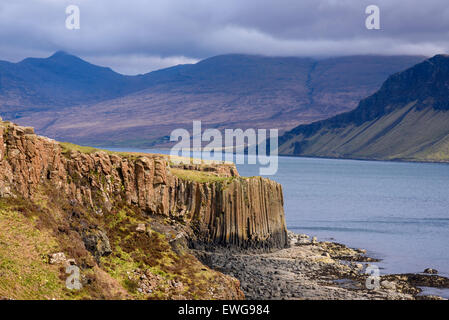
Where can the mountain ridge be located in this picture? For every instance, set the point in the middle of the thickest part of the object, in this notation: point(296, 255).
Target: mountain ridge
point(79, 102)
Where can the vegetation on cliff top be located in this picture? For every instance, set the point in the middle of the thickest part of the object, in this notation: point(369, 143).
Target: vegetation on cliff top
point(185, 174)
point(199, 176)
point(68, 147)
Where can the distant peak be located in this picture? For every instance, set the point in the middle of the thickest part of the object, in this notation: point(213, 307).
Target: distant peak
point(59, 54)
point(64, 57)
point(442, 55)
point(440, 58)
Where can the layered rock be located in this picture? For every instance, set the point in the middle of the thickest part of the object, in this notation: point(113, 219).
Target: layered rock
point(230, 212)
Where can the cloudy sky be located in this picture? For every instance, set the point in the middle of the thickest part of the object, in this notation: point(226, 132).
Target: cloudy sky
point(137, 36)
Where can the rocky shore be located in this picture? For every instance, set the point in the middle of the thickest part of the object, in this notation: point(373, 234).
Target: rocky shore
point(312, 269)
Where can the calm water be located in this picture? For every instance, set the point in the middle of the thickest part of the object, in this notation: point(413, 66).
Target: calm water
point(399, 212)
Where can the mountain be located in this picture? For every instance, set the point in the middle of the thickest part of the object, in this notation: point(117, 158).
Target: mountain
point(407, 119)
point(62, 80)
point(69, 99)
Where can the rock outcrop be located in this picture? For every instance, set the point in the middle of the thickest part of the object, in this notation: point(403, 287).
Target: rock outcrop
point(228, 210)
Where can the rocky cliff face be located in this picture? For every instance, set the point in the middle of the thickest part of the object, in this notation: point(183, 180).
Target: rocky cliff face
point(222, 208)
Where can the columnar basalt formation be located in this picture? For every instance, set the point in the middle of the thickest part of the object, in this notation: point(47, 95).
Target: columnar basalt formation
point(229, 211)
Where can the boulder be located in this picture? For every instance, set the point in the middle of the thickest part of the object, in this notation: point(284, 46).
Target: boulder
point(96, 242)
point(388, 285)
point(57, 258)
point(430, 271)
point(141, 227)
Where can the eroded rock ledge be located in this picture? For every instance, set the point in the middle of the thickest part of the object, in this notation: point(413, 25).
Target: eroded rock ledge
point(222, 208)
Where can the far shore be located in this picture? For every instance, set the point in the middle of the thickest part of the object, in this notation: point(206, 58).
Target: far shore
point(400, 160)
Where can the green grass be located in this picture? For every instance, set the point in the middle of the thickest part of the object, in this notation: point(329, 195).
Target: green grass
point(69, 147)
point(198, 176)
point(25, 273)
point(27, 238)
point(153, 253)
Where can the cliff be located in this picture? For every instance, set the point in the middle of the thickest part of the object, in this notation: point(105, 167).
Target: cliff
point(222, 208)
point(126, 220)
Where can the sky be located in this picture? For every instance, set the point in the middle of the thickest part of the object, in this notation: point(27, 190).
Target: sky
point(138, 36)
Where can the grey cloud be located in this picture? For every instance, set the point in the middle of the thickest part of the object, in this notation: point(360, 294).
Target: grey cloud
point(140, 35)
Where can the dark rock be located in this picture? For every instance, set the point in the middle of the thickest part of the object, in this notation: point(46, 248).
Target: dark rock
point(96, 242)
point(430, 271)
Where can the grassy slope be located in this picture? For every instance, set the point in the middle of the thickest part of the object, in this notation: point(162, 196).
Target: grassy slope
point(405, 134)
point(24, 272)
point(30, 232)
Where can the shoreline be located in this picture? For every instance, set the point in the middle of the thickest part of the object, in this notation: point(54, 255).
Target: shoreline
point(396, 160)
point(317, 270)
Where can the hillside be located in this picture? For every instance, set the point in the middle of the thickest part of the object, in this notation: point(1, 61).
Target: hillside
point(407, 119)
point(79, 102)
